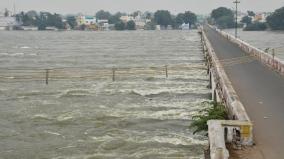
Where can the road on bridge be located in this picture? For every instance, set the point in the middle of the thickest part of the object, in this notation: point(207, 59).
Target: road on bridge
point(261, 91)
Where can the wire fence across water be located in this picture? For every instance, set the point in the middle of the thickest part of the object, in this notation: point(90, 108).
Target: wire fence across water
point(89, 73)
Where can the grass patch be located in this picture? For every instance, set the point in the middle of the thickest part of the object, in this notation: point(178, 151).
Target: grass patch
point(217, 112)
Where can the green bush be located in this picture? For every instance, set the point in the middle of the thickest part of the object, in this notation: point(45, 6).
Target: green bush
point(120, 26)
point(130, 25)
point(217, 112)
point(256, 26)
point(223, 17)
point(275, 20)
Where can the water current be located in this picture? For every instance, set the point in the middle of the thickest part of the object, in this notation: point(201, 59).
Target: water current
point(83, 113)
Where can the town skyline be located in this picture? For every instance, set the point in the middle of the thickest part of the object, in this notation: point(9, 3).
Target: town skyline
point(92, 6)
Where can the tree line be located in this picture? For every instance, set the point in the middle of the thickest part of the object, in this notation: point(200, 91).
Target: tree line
point(225, 18)
point(164, 18)
point(40, 20)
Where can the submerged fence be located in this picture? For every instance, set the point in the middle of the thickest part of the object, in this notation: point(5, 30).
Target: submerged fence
point(113, 74)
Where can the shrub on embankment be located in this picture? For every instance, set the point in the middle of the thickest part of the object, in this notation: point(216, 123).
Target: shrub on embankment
point(217, 112)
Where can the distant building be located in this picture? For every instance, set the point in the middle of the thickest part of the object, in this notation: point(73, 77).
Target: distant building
point(51, 28)
point(185, 26)
point(7, 23)
point(158, 27)
point(126, 18)
point(29, 28)
point(86, 20)
point(103, 24)
point(139, 20)
point(140, 25)
point(261, 17)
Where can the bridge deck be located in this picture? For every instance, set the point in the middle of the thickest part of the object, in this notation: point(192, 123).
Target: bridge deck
point(260, 89)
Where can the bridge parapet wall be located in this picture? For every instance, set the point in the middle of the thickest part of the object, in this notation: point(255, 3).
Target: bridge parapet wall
point(265, 58)
point(224, 88)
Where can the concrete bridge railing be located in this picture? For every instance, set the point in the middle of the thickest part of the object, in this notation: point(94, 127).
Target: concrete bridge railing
point(265, 58)
point(223, 92)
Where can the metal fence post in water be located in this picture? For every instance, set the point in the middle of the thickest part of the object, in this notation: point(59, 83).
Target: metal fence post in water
point(46, 76)
point(113, 74)
point(166, 67)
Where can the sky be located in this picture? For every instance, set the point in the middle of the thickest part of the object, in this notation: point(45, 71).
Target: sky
point(175, 6)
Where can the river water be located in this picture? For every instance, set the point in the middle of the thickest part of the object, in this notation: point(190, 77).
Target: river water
point(263, 40)
point(82, 113)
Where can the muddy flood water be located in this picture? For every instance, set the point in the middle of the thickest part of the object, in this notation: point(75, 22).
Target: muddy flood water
point(82, 113)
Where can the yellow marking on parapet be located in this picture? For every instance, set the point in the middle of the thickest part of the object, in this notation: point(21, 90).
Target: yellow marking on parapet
point(245, 131)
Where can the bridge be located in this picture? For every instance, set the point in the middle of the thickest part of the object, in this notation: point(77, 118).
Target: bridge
point(258, 81)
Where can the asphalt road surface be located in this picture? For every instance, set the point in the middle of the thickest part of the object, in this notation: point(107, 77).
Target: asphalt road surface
point(261, 91)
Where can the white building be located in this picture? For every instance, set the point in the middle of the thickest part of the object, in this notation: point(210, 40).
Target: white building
point(261, 17)
point(86, 20)
point(103, 24)
point(139, 20)
point(7, 23)
point(185, 26)
point(29, 28)
point(126, 18)
point(158, 27)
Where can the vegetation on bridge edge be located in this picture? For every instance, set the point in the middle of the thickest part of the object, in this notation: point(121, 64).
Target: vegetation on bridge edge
point(217, 112)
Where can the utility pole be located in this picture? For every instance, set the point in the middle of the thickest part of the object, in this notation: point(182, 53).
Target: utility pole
point(14, 9)
point(236, 23)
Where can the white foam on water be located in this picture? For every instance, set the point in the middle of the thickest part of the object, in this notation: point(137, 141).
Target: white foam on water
point(146, 89)
point(17, 54)
point(66, 147)
point(25, 47)
point(107, 108)
point(69, 115)
point(102, 138)
point(52, 133)
point(64, 117)
point(8, 151)
point(42, 116)
point(176, 140)
point(4, 54)
point(75, 92)
point(171, 114)
point(10, 77)
point(32, 54)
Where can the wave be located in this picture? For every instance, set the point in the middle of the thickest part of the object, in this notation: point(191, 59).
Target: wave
point(76, 93)
point(36, 93)
point(167, 93)
point(41, 117)
point(12, 54)
point(25, 47)
point(17, 54)
point(66, 117)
